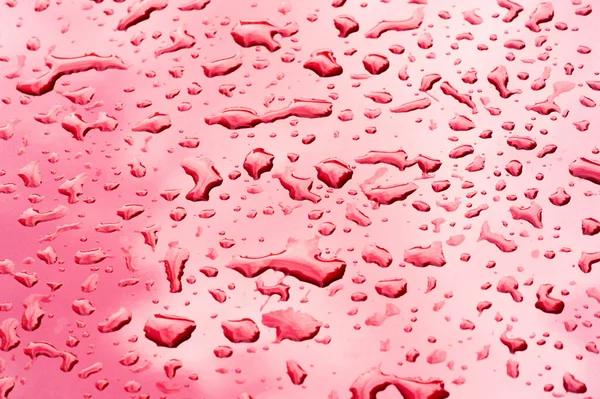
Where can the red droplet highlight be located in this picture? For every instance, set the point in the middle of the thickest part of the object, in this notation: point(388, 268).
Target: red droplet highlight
point(334, 172)
point(369, 383)
point(431, 255)
point(140, 11)
point(241, 118)
point(169, 331)
point(257, 162)
point(346, 25)
point(324, 64)
point(300, 259)
point(292, 325)
point(223, 66)
point(412, 23)
point(205, 176)
point(60, 66)
point(547, 304)
point(586, 169)
point(175, 261)
point(35, 349)
point(237, 331)
point(261, 33)
point(116, 321)
point(295, 372)
point(544, 12)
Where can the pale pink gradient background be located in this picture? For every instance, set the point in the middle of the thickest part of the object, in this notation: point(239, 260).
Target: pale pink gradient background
point(336, 365)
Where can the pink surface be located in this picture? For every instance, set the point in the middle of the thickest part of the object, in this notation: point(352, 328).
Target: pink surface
point(445, 213)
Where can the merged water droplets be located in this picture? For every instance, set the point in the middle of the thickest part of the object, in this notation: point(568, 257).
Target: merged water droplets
point(278, 199)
